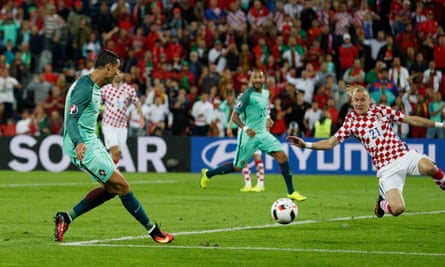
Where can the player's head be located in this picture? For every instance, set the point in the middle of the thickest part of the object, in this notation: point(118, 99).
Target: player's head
point(360, 99)
point(108, 62)
point(257, 79)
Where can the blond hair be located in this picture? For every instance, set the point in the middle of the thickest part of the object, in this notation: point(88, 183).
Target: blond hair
point(353, 89)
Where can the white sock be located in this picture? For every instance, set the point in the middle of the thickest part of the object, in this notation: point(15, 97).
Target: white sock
point(246, 175)
point(260, 173)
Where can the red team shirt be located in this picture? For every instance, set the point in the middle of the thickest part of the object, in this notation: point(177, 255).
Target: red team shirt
point(374, 131)
point(117, 101)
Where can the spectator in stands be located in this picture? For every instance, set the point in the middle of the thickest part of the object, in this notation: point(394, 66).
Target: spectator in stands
point(375, 73)
point(214, 13)
point(217, 120)
point(439, 53)
point(374, 44)
point(347, 52)
point(432, 77)
point(420, 108)
point(2, 114)
point(436, 108)
point(158, 117)
point(342, 20)
point(55, 101)
point(7, 86)
point(41, 119)
point(311, 116)
point(55, 123)
point(210, 78)
point(181, 114)
point(201, 112)
point(388, 52)
point(399, 75)
point(26, 124)
point(383, 90)
point(307, 84)
point(258, 14)
point(355, 75)
point(324, 127)
point(277, 114)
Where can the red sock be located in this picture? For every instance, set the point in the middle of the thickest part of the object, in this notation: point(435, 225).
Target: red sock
point(439, 175)
point(385, 206)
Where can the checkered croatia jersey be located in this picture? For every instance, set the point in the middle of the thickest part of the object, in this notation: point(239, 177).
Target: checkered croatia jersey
point(117, 101)
point(374, 131)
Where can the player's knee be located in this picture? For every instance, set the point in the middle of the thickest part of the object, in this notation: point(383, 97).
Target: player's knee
point(396, 210)
point(426, 167)
point(120, 188)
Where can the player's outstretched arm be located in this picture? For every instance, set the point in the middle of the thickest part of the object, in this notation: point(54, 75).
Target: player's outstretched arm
point(324, 144)
point(422, 122)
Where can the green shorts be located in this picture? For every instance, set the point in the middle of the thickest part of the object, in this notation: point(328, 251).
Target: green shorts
point(97, 162)
point(246, 147)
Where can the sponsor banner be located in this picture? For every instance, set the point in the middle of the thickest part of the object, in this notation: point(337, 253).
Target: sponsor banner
point(142, 154)
point(346, 158)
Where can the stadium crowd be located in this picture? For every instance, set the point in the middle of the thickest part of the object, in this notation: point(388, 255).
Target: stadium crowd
point(188, 60)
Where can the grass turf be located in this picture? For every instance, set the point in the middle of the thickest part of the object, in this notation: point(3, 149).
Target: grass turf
point(220, 226)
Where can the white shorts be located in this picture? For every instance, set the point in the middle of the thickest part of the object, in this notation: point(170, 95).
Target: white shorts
point(257, 153)
point(114, 136)
point(393, 175)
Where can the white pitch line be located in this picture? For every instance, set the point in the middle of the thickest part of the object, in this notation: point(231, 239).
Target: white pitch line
point(81, 184)
point(233, 229)
point(406, 253)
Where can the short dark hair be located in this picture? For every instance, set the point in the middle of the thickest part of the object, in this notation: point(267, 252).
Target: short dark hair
point(106, 57)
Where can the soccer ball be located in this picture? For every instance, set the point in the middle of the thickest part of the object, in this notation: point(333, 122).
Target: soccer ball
point(284, 210)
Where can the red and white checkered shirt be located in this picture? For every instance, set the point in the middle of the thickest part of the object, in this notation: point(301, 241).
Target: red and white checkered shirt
point(117, 101)
point(374, 131)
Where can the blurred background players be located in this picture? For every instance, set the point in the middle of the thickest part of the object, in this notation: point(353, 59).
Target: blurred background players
point(117, 97)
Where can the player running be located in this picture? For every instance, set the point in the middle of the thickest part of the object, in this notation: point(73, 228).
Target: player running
point(254, 136)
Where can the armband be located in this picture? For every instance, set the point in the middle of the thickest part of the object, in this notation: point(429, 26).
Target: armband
point(245, 128)
point(438, 124)
point(308, 144)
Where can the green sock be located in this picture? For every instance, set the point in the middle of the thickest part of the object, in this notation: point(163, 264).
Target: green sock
point(287, 175)
point(224, 169)
point(94, 198)
point(135, 208)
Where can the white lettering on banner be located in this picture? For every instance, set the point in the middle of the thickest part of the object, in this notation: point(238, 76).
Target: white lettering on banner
point(44, 155)
point(302, 156)
point(31, 159)
point(329, 166)
point(358, 148)
point(126, 160)
point(18, 151)
point(155, 156)
point(25, 159)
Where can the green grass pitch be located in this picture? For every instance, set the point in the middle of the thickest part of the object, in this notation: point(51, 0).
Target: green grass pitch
point(220, 226)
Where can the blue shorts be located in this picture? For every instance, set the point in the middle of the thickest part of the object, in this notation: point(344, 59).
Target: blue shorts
point(246, 146)
point(96, 161)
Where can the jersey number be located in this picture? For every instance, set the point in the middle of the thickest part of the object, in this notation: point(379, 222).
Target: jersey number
point(375, 133)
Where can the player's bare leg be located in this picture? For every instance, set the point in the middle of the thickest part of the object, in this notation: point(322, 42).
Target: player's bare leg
point(428, 168)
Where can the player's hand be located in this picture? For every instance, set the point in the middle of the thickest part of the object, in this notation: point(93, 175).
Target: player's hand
point(229, 132)
point(142, 122)
point(81, 148)
point(251, 132)
point(296, 141)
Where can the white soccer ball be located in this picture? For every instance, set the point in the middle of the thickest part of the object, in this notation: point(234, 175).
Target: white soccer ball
point(284, 210)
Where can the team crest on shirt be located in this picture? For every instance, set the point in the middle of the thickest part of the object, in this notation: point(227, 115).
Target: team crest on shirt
point(102, 172)
point(73, 109)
